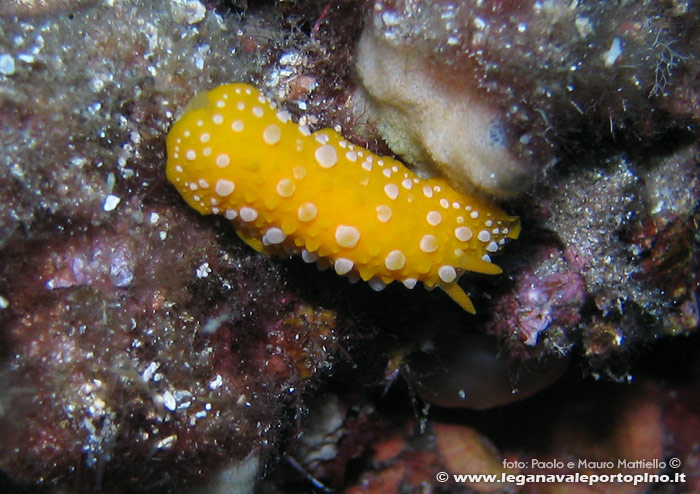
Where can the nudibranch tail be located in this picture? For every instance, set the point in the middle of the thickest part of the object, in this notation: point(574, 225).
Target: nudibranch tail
point(459, 296)
point(290, 191)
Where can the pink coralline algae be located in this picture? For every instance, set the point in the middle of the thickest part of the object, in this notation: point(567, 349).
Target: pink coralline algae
point(548, 295)
point(105, 262)
point(102, 336)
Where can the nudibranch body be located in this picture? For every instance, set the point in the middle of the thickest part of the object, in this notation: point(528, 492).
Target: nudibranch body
point(290, 191)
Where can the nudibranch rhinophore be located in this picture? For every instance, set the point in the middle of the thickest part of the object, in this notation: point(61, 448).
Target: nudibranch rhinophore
point(290, 191)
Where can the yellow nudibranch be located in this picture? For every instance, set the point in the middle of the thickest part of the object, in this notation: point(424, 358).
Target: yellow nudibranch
point(288, 190)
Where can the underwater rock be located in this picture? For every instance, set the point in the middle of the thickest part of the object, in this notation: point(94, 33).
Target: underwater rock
point(471, 371)
point(491, 94)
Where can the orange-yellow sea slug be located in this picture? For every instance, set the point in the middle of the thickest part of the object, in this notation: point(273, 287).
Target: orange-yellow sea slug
point(287, 190)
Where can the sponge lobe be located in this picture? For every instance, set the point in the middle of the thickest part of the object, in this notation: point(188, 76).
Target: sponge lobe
point(437, 123)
